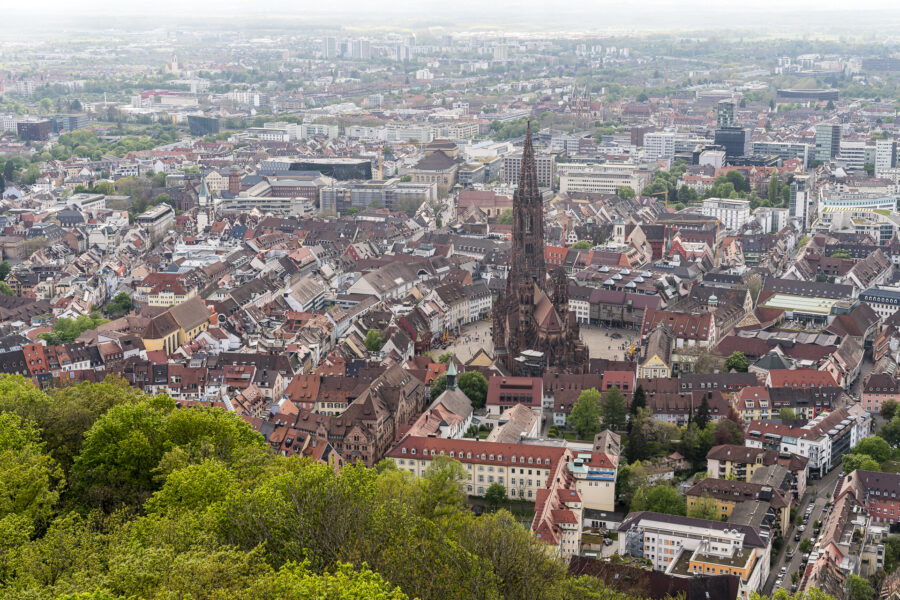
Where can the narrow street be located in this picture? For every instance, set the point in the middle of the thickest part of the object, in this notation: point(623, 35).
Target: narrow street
point(817, 495)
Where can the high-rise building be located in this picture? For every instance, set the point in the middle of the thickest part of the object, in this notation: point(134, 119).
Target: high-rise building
point(532, 324)
point(800, 205)
point(361, 49)
point(200, 125)
point(545, 165)
point(735, 140)
point(885, 156)
point(329, 47)
point(828, 141)
point(725, 114)
point(659, 145)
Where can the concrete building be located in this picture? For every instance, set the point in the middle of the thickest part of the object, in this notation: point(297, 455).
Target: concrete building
point(390, 193)
point(854, 155)
point(802, 204)
point(828, 141)
point(885, 156)
point(659, 145)
point(157, 220)
point(685, 547)
point(732, 214)
point(603, 179)
point(545, 163)
point(784, 150)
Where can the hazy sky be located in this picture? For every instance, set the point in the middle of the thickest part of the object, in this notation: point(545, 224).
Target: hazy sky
point(801, 15)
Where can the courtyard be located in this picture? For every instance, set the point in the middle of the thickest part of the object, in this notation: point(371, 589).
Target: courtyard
point(602, 342)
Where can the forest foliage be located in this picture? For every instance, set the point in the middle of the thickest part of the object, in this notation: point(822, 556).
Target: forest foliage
point(109, 493)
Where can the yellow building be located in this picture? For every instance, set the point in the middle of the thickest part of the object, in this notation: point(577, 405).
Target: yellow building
point(728, 494)
point(178, 325)
point(657, 354)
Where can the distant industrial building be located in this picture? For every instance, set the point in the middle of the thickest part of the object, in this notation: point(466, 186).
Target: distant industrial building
point(34, 131)
point(68, 122)
point(807, 94)
point(391, 194)
point(342, 169)
point(202, 126)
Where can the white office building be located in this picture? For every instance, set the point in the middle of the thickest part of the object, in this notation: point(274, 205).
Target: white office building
point(885, 156)
point(733, 214)
point(659, 145)
point(685, 547)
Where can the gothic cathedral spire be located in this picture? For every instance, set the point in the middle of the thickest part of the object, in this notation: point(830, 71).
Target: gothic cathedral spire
point(527, 250)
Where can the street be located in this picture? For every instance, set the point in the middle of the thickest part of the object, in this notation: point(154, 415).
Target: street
point(816, 493)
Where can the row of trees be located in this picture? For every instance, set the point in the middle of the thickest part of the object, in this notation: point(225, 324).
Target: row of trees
point(108, 493)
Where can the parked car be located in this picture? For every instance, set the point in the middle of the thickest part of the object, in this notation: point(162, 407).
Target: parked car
point(802, 528)
point(790, 553)
point(797, 537)
point(607, 542)
point(783, 571)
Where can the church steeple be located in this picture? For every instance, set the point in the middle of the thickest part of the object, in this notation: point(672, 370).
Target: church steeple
point(527, 252)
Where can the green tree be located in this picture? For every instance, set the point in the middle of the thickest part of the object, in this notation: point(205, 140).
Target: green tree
point(506, 217)
point(5, 289)
point(9, 171)
point(625, 191)
point(2, 184)
point(727, 432)
point(702, 417)
point(805, 546)
point(4, 270)
point(638, 400)
point(859, 588)
point(736, 361)
point(67, 330)
point(774, 188)
point(637, 447)
point(704, 507)
point(30, 480)
point(439, 385)
point(586, 415)
point(495, 495)
point(890, 431)
point(888, 409)
point(581, 245)
point(852, 461)
point(841, 253)
point(373, 341)
point(120, 305)
point(613, 411)
point(660, 498)
point(475, 386)
point(787, 414)
point(443, 488)
point(445, 358)
point(687, 195)
point(875, 447)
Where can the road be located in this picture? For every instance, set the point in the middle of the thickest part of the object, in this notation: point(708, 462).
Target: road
point(815, 493)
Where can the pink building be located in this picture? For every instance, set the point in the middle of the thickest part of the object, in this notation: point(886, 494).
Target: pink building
point(878, 388)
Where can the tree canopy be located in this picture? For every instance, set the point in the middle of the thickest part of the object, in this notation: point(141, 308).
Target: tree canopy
point(110, 494)
point(736, 361)
point(586, 415)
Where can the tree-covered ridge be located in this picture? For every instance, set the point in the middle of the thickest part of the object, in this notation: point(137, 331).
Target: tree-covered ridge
point(108, 493)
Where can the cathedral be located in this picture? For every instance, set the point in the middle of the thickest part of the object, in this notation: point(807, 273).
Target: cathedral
point(532, 321)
